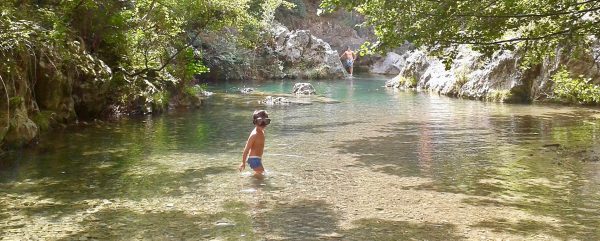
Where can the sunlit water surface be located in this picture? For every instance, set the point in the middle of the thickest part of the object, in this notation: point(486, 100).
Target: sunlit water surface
point(334, 170)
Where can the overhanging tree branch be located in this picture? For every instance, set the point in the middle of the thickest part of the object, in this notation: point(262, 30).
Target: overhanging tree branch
point(542, 15)
point(520, 39)
point(168, 61)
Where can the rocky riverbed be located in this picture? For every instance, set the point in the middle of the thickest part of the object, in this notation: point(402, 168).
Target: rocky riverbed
point(458, 171)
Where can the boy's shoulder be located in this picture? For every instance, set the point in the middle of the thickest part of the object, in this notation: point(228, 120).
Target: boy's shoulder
point(255, 132)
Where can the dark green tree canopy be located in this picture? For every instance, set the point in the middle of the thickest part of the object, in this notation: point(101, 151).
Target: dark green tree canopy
point(489, 25)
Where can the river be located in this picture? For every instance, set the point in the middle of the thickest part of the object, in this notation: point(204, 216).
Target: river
point(375, 164)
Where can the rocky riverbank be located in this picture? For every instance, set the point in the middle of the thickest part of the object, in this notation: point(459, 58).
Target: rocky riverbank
point(499, 78)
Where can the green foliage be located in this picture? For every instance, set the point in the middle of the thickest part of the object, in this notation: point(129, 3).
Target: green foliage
point(461, 78)
point(43, 119)
point(408, 82)
point(195, 90)
point(145, 43)
point(498, 95)
point(15, 101)
point(575, 90)
point(194, 64)
point(294, 7)
point(160, 100)
point(538, 26)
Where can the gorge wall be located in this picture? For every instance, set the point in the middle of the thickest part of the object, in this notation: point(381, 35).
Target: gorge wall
point(499, 78)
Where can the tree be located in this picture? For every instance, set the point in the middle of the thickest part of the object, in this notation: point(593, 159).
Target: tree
point(537, 26)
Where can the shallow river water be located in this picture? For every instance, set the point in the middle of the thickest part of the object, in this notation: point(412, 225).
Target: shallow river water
point(373, 164)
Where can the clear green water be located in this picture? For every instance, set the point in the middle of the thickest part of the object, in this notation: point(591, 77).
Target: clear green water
point(174, 176)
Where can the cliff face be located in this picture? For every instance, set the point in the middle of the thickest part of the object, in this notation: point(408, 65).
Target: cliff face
point(309, 47)
point(339, 29)
point(49, 91)
point(284, 54)
point(500, 78)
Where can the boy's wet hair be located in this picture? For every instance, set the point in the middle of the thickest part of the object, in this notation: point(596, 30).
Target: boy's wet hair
point(259, 114)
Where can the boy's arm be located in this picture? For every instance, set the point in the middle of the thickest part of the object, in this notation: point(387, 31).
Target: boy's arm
point(249, 144)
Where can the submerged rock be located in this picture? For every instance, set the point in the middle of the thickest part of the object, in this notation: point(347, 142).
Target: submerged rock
point(270, 100)
point(304, 89)
point(246, 90)
point(224, 223)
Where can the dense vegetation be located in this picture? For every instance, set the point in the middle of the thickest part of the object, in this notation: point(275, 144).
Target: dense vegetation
point(575, 89)
point(67, 59)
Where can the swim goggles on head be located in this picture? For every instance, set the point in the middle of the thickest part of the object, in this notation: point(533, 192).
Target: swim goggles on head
point(262, 121)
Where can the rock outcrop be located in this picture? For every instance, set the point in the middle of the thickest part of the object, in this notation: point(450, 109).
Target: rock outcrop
point(303, 55)
point(286, 54)
point(304, 89)
point(340, 28)
point(391, 64)
point(55, 93)
point(499, 78)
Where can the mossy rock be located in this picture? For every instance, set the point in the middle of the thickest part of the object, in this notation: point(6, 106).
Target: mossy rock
point(499, 96)
point(21, 129)
point(45, 120)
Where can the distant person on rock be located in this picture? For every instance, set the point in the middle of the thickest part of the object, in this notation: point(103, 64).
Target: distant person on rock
point(255, 145)
point(348, 58)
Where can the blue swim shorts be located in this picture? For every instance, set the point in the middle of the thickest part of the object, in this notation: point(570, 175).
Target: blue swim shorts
point(254, 162)
point(348, 63)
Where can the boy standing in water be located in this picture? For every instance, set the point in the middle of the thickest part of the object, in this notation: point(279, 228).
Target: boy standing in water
point(256, 143)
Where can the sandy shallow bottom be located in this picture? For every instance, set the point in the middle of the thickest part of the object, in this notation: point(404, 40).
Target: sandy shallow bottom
point(312, 194)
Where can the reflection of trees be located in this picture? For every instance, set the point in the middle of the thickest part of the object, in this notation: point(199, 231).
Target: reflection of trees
point(106, 162)
point(424, 148)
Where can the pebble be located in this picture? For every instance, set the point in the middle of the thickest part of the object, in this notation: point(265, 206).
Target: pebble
point(332, 235)
point(224, 223)
point(249, 190)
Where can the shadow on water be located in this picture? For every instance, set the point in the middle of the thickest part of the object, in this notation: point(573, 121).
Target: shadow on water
point(301, 220)
point(233, 223)
point(263, 184)
point(380, 229)
point(527, 227)
point(68, 193)
point(575, 216)
point(316, 220)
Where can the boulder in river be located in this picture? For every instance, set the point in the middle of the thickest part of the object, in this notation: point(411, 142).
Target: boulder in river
point(304, 89)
